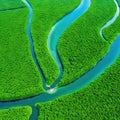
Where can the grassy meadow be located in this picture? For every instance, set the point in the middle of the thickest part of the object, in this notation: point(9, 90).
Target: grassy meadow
point(17, 113)
point(119, 2)
point(98, 101)
point(9, 4)
point(80, 48)
point(110, 33)
point(81, 45)
point(19, 77)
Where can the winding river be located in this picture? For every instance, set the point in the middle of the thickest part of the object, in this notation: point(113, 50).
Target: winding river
point(112, 20)
point(31, 43)
point(84, 80)
point(9, 9)
point(58, 29)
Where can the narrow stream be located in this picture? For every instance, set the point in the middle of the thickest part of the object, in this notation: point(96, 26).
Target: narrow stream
point(9, 9)
point(84, 80)
point(112, 20)
point(31, 43)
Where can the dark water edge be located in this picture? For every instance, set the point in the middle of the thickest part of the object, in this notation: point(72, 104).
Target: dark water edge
point(58, 29)
point(9, 9)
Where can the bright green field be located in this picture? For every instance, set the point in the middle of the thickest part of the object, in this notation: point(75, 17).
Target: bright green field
point(19, 77)
point(110, 33)
point(81, 41)
point(98, 101)
point(18, 113)
point(8, 4)
point(119, 2)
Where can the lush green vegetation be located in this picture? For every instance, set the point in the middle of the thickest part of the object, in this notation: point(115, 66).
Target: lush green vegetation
point(119, 2)
point(19, 77)
point(110, 32)
point(81, 46)
point(45, 15)
point(8, 4)
point(98, 101)
point(18, 113)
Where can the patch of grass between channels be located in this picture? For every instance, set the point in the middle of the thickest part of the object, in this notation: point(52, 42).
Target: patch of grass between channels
point(19, 77)
point(98, 101)
point(110, 33)
point(81, 46)
point(17, 113)
point(45, 14)
point(10, 4)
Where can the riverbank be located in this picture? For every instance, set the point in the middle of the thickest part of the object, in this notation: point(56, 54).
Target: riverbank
point(99, 100)
point(19, 77)
point(17, 113)
point(82, 40)
point(7, 4)
point(46, 14)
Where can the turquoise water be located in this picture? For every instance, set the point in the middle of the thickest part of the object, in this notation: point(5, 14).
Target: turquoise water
point(9, 9)
point(31, 44)
point(58, 29)
point(112, 20)
point(84, 80)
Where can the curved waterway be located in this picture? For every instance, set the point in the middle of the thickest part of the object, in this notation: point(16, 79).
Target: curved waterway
point(58, 29)
point(84, 80)
point(112, 20)
point(9, 9)
point(31, 44)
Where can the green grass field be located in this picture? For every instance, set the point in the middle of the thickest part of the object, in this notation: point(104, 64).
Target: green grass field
point(77, 50)
point(19, 76)
point(17, 113)
point(9, 4)
point(80, 48)
point(110, 32)
point(98, 101)
point(119, 2)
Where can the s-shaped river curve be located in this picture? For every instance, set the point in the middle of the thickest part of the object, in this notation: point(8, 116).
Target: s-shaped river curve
point(108, 60)
point(112, 20)
point(58, 29)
